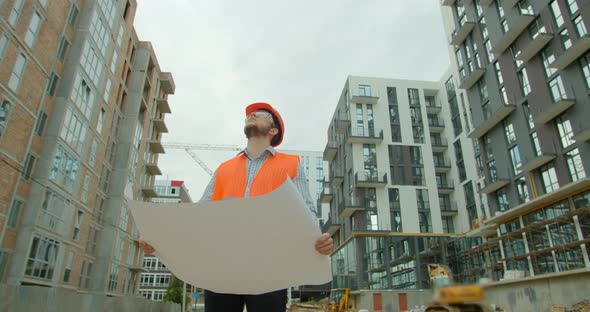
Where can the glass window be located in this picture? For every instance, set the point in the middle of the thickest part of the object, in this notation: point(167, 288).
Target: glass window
point(557, 89)
point(364, 90)
point(91, 63)
point(548, 59)
point(62, 49)
point(556, 14)
point(566, 133)
point(522, 190)
point(422, 199)
point(549, 177)
point(572, 6)
point(73, 131)
point(68, 268)
point(509, 132)
point(42, 257)
point(28, 166)
point(52, 85)
point(15, 210)
point(515, 158)
point(565, 39)
point(3, 46)
point(502, 199)
point(498, 72)
point(83, 96)
point(580, 26)
point(524, 82)
point(33, 29)
point(536, 144)
point(64, 169)
point(575, 165)
point(99, 33)
point(4, 113)
point(15, 12)
point(73, 15)
point(585, 64)
point(17, 72)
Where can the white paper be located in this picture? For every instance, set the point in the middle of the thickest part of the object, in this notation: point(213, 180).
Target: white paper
point(237, 246)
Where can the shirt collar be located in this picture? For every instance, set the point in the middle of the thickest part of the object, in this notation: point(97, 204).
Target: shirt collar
point(269, 149)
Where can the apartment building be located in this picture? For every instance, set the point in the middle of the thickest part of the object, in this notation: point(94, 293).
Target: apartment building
point(82, 115)
point(524, 67)
point(156, 277)
point(401, 180)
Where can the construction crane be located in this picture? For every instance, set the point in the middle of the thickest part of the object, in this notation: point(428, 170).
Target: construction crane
point(189, 149)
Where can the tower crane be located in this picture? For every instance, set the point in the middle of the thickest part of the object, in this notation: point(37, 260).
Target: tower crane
point(190, 147)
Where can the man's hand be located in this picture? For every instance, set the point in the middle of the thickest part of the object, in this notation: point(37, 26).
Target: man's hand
point(325, 244)
point(147, 248)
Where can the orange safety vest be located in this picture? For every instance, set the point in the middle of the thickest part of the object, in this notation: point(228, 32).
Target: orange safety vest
point(230, 180)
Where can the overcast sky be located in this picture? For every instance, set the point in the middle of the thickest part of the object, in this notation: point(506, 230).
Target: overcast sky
point(294, 54)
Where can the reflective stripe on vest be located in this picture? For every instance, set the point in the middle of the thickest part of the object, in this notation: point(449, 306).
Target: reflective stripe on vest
point(230, 179)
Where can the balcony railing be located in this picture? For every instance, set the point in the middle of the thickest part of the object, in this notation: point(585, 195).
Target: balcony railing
point(432, 107)
point(471, 77)
point(352, 205)
point(463, 29)
point(449, 208)
point(562, 101)
point(363, 136)
point(445, 186)
point(336, 177)
point(442, 165)
point(436, 124)
point(330, 227)
point(439, 144)
point(491, 121)
point(370, 179)
point(327, 195)
point(364, 96)
point(330, 151)
point(580, 46)
point(538, 41)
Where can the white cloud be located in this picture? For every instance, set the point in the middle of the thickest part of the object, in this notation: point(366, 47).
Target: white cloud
point(294, 54)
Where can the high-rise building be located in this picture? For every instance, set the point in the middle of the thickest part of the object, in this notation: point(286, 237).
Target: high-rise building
point(157, 277)
point(81, 116)
point(524, 68)
point(399, 179)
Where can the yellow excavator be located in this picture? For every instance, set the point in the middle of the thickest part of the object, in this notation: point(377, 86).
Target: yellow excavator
point(341, 304)
point(453, 298)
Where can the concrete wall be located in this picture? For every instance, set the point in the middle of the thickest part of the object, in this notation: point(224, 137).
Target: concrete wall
point(539, 295)
point(41, 299)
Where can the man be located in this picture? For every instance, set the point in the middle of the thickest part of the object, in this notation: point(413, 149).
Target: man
point(257, 170)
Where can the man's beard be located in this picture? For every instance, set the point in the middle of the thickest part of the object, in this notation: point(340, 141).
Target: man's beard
point(253, 130)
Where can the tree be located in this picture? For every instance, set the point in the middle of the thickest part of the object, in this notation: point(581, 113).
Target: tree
point(174, 291)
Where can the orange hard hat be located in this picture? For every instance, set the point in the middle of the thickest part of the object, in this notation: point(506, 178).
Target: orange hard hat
point(278, 138)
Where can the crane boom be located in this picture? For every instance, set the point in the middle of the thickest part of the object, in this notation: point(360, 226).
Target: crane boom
point(189, 147)
point(199, 161)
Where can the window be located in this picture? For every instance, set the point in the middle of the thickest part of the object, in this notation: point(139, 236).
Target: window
point(522, 190)
point(83, 96)
point(424, 220)
point(107, 91)
point(4, 112)
point(73, 15)
point(79, 219)
point(548, 59)
point(149, 263)
point(17, 72)
point(62, 49)
point(109, 10)
point(556, 14)
point(566, 133)
point(33, 29)
point(114, 278)
point(14, 213)
point(68, 268)
point(119, 245)
point(509, 132)
point(84, 280)
point(502, 199)
point(536, 144)
point(575, 165)
point(3, 46)
point(364, 90)
point(93, 152)
point(99, 32)
point(28, 167)
point(483, 91)
point(395, 210)
point(448, 226)
point(565, 39)
point(422, 199)
point(100, 121)
point(85, 187)
point(515, 158)
point(585, 64)
point(498, 72)
point(580, 26)
point(524, 82)
point(572, 6)
point(91, 63)
point(40, 124)
point(557, 89)
point(3, 261)
point(15, 12)
point(549, 177)
point(42, 257)
point(73, 131)
point(64, 169)
point(53, 79)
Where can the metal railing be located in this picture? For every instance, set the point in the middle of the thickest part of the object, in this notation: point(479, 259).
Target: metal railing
point(370, 177)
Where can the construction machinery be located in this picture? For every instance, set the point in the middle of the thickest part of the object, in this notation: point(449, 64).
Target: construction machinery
point(453, 298)
point(189, 147)
point(339, 300)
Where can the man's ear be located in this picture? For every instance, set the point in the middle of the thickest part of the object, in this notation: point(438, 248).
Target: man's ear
point(273, 131)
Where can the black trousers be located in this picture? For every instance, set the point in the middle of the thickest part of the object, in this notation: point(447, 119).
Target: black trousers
point(275, 301)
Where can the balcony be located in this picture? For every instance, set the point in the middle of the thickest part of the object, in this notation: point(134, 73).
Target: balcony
point(157, 147)
point(573, 53)
point(370, 179)
point(149, 191)
point(153, 168)
point(538, 42)
point(337, 178)
point(491, 121)
point(163, 105)
point(160, 125)
point(485, 2)
point(448, 2)
point(471, 78)
point(494, 186)
point(167, 82)
point(509, 4)
point(350, 206)
point(330, 151)
point(559, 106)
point(330, 227)
point(517, 26)
point(536, 162)
point(326, 196)
point(462, 31)
point(439, 145)
point(432, 107)
point(365, 96)
point(342, 125)
point(436, 125)
point(363, 136)
point(582, 136)
point(448, 209)
point(441, 166)
point(445, 187)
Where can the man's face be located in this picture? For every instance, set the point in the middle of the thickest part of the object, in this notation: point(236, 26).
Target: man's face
point(258, 124)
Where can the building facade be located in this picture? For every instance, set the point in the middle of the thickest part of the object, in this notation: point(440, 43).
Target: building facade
point(156, 277)
point(401, 180)
point(82, 115)
point(524, 68)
